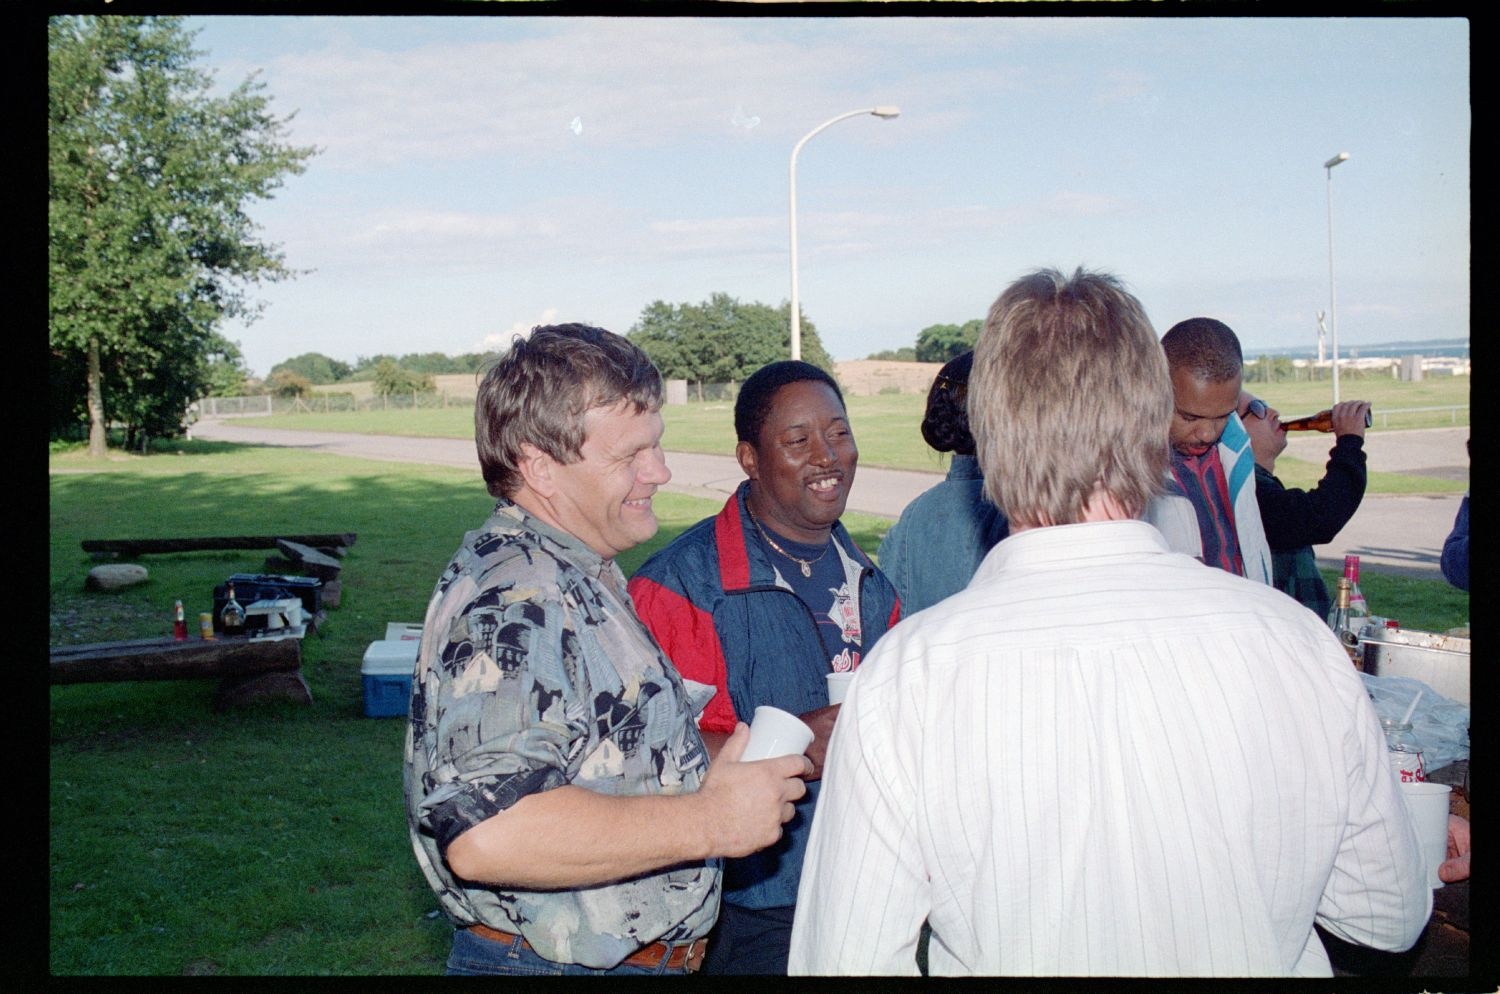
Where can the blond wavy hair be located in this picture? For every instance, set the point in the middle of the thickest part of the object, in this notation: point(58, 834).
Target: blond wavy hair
point(1069, 392)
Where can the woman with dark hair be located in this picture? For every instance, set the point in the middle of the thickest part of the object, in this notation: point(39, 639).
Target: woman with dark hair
point(944, 534)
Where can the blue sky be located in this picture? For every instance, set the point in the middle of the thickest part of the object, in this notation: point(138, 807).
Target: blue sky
point(480, 175)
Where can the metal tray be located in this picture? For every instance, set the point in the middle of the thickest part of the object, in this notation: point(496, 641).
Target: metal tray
point(1440, 661)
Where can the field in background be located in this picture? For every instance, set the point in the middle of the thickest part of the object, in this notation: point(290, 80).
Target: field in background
point(857, 377)
point(457, 386)
point(1385, 395)
point(870, 377)
point(886, 426)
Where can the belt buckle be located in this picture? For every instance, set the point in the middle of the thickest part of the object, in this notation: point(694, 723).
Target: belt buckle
point(692, 962)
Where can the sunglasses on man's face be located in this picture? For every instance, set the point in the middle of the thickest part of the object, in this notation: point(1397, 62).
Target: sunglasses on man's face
point(1257, 408)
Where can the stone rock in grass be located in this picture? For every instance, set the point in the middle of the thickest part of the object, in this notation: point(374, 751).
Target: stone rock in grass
point(115, 576)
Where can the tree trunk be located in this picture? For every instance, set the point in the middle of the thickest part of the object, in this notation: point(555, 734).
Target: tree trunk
point(96, 402)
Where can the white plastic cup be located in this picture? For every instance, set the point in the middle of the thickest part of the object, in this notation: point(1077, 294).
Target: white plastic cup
point(838, 686)
point(774, 732)
point(1427, 803)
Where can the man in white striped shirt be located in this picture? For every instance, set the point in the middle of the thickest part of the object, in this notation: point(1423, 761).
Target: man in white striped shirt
point(1102, 757)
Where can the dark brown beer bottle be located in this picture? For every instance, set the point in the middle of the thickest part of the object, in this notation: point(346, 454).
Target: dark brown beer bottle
point(1322, 421)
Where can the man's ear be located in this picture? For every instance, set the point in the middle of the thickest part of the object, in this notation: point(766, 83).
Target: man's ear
point(535, 467)
point(745, 453)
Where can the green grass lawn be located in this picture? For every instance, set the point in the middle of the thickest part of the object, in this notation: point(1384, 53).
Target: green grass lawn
point(272, 840)
point(1294, 399)
point(1300, 473)
point(886, 426)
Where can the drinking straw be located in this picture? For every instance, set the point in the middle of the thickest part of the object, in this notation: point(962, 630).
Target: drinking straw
point(1410, 709)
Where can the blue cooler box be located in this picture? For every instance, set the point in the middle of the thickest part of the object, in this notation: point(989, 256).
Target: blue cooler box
point(386, 673)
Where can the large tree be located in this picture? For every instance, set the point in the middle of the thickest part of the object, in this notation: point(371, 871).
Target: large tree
point(721, 340)
point(149, 245)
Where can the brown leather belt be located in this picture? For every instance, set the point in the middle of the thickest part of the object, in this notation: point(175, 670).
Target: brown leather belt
point(687, 956)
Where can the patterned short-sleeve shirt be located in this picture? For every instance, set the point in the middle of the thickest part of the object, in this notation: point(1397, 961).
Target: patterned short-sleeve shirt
point(534, 672)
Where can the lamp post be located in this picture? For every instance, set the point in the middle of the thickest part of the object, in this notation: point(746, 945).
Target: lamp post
point(885, 112)
point(1333, 307)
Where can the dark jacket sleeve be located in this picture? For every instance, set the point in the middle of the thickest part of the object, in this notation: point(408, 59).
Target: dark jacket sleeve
point(1294, 518)
point(1455, 558)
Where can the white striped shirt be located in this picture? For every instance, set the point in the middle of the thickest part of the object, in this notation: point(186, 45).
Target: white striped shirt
point(1105, 758)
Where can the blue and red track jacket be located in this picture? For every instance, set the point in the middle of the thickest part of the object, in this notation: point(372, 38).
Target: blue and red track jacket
point(712, 600)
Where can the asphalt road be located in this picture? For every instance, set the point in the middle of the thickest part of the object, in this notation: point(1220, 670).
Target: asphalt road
point(1401, 534)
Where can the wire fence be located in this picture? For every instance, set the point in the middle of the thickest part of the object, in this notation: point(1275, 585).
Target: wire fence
point(1454, 414)
point(328, 403)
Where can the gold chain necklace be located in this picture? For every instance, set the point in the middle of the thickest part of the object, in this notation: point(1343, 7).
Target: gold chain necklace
point(806, 564)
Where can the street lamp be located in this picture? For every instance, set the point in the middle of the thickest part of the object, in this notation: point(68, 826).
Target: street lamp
point(1333, 307)
point(885, 112)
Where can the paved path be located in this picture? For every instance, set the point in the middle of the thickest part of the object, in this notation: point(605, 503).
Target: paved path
point(1399, 534)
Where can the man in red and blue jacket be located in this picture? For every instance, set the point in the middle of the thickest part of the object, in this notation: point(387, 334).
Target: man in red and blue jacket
point(727, 603)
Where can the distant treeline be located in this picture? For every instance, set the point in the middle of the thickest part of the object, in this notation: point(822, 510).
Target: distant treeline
point(319, 369)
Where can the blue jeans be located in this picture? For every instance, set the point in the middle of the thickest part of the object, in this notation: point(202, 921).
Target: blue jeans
point(750, 941)
point(475, 956)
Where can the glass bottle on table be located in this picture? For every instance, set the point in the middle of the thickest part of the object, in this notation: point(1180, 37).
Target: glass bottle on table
point(1359, 611)
point(1338, 620)
point(179, 623)
point(232, 618)
point(1338, 612)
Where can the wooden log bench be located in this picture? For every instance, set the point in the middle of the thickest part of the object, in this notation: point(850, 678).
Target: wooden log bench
point(310, 560)
point(249, 670)
point(133, 547)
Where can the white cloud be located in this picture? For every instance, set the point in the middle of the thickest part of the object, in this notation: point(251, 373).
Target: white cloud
point(547, 232)
point(512, 88)
point(719, 236)
point(572, 231)
point(499, 341)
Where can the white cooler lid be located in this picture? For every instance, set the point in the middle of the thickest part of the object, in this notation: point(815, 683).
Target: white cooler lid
point(389, 656)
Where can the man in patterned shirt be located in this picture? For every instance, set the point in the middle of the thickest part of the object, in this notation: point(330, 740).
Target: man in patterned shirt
point(559, 797)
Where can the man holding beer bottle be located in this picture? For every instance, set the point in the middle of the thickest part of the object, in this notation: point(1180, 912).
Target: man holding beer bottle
point(1295, 520)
